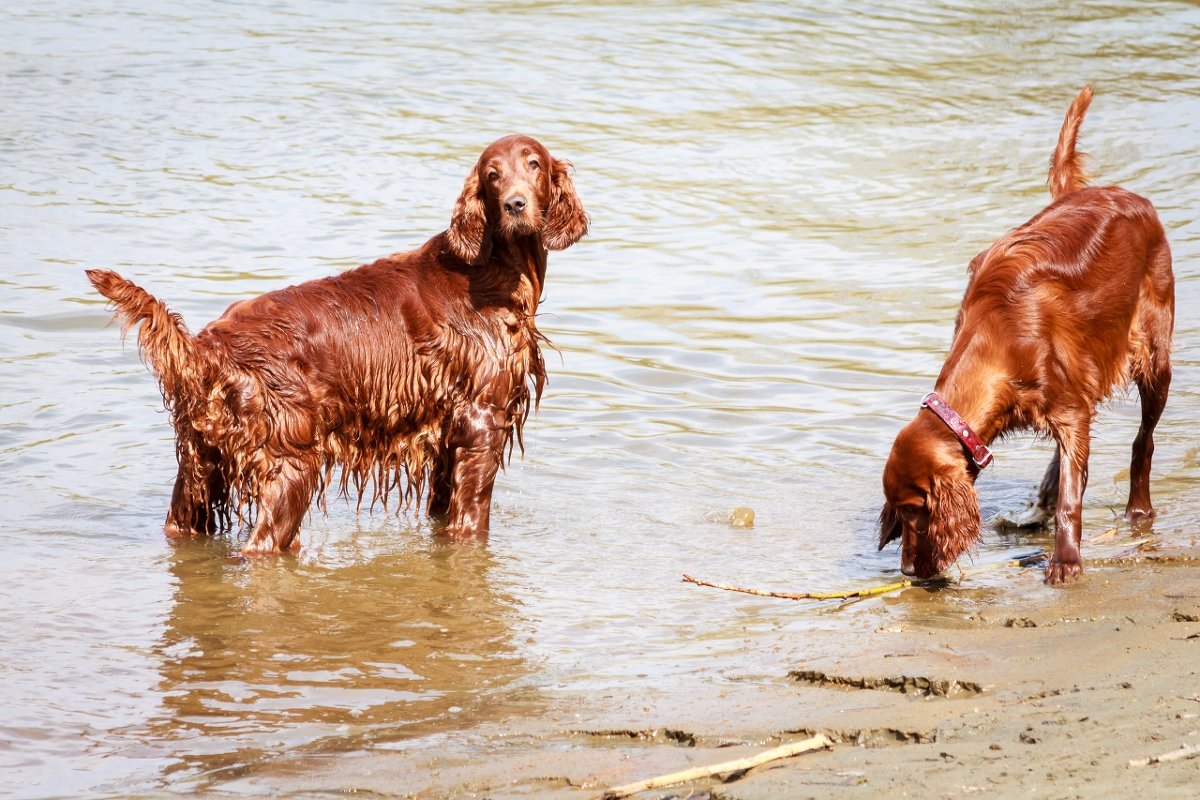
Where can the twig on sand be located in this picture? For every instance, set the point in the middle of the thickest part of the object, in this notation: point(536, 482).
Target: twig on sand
point(868, 592)
point(873, 591)
point(1185, 751)
point(740, 765)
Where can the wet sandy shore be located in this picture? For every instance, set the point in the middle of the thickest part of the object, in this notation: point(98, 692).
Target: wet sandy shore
point(1035, 692)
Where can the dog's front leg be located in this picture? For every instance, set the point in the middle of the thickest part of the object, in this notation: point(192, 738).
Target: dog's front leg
point(1073, 447)
point(284, 495)
point(477, 446)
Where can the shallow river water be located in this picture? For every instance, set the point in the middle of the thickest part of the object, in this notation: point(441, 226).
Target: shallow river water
point(784, 198)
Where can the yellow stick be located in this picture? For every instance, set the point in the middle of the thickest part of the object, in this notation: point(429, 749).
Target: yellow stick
point(868, 592)
point(784, 751)
point(1020, 561)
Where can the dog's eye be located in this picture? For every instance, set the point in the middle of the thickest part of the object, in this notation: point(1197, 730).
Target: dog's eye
point(493, 176)
point(535, 166)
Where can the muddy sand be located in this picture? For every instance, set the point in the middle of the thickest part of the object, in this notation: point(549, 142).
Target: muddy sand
point(1036, 692)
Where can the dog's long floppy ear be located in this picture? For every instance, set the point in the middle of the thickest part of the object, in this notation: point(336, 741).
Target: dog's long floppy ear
point(889, 525)
point(954, 519)
point(565, 222)
point(470, 235)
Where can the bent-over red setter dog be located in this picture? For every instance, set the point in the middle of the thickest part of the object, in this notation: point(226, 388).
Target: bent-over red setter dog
point(412, 373)
point(1057, 314)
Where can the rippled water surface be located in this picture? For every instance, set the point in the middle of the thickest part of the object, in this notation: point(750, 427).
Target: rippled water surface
point(784, 198)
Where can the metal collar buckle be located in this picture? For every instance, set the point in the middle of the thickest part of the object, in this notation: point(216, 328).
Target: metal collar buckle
point(979, 452)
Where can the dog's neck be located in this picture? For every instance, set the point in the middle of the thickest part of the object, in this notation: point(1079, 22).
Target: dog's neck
point(526, 257)
point(979, 392)
point(930, 428)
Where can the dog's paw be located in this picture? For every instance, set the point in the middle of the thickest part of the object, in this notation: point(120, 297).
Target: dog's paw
point(1138, 514)
point(1060, 571)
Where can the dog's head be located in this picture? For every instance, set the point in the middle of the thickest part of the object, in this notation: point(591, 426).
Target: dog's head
point(516, 189)
point(930, 501)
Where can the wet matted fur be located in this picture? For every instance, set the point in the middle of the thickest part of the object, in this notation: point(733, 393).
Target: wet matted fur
point(414, 374)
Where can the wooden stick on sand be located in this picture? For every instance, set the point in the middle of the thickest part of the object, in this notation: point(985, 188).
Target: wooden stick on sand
point(1185, 751)
point(872, 591)
point(784, 751)
point(868, 592)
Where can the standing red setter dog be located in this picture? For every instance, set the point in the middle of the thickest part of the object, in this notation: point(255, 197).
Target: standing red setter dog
point(413, 372)
point(1057, 314)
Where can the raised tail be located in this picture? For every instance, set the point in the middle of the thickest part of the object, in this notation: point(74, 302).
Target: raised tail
point(1066, 165)
point(166, 344)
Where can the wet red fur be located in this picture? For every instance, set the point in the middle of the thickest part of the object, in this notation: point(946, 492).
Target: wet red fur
point(413, 374)
point(1057, 314)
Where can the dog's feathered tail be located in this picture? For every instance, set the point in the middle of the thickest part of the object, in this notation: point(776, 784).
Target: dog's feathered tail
point(167, 346)
point(1066, 165)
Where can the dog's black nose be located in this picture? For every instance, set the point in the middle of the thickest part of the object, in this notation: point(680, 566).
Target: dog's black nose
point(515, 204)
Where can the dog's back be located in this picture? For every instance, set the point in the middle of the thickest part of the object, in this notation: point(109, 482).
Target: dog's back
point(1073, 291)
point(364, 368)
point(1087, 279)
point(360, 370)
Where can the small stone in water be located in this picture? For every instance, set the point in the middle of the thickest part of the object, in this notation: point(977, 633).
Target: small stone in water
point(741, 517)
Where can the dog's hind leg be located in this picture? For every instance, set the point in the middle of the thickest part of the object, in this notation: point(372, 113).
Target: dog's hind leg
point(1153, 382)
point(200, 499)
point(1153, 400)
point(1152, 374)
